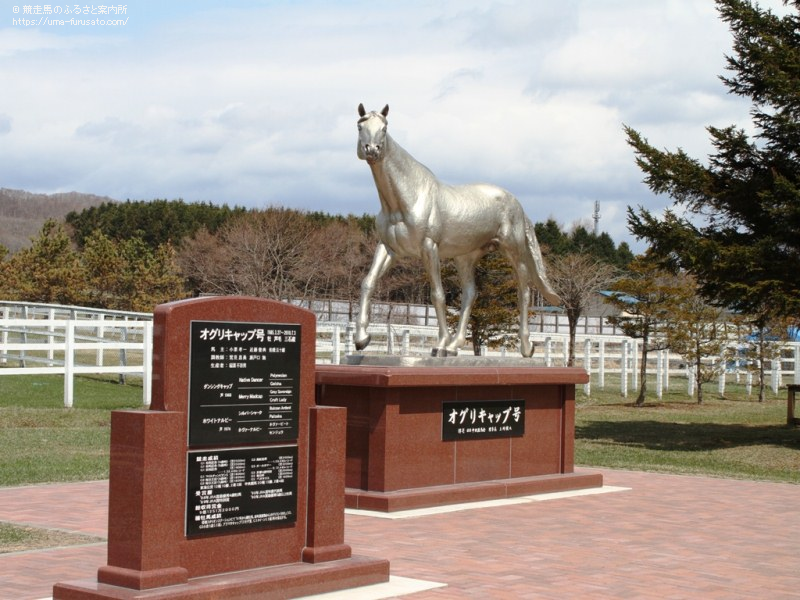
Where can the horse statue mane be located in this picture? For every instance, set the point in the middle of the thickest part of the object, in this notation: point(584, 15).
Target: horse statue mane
point(424, 218)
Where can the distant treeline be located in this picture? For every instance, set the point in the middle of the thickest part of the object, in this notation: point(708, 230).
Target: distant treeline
point(133, 255)
point(160, 221)
point(155, 222)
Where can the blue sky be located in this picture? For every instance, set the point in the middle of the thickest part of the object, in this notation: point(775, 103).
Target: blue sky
point(254, 103)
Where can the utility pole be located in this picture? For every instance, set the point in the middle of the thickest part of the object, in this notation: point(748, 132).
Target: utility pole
point(596, 217)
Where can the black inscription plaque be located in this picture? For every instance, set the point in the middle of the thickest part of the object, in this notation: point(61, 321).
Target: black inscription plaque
point(243, 488)
point(244, 383)
point(483, 419)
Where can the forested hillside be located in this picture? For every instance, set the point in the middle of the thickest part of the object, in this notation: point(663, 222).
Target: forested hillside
point(22, 213)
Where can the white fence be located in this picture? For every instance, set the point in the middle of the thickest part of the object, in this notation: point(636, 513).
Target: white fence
point(70, 341)
point(66, 340)
point(543, 320)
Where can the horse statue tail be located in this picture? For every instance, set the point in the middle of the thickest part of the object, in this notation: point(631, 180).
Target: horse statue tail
point(536, 268)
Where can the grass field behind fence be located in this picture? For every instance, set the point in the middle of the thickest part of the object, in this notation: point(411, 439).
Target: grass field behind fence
point(44, 442)
point(731, 437)
point(735, 436)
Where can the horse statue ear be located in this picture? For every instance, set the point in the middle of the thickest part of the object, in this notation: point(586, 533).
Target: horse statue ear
point(385, 111)
point(361, 111)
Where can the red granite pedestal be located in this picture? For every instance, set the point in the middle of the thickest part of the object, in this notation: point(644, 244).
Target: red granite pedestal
point(397, 458)
point(150, 552)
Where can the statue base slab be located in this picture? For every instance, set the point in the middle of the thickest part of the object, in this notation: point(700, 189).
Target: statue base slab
point(284, 581)
point(401, 453)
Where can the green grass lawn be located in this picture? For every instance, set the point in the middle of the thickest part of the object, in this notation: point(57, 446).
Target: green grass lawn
point(732, 437)
point(735, 436)
point(44, 442)
point(16, 538)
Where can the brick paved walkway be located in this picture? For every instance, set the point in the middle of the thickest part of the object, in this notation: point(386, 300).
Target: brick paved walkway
point(667, 537)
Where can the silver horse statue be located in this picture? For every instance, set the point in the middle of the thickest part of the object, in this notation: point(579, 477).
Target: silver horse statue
point(424, 218)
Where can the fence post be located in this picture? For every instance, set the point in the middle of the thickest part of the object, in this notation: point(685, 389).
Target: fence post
point(690, 385)
point(389, 339)
point(721, 386)
point(634, 361)
point(147, 362)
point(24, 336)
point(4, 336)
point(548, 360)
point(51, 315)
point(123, 353)
point(100, 333)
point(406, 343)
point(601, 364)
point(69, 362)
point(623, 375)
point(349, 343)
point(775, 375)
point(659, 366)
point(796, 363)
point(587, 364)
point(335, 344)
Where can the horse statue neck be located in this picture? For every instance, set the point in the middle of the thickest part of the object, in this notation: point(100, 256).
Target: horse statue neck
point(398, 178)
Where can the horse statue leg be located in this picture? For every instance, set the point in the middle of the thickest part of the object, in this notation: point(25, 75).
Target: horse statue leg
point(380, 264)
point(430, 258)
point(466, 272)
point(522, 250)
point(516, 255)
point(524, 304)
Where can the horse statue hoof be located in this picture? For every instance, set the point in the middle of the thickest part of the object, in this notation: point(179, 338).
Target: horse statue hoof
point(528, 352)
point(363, 343)
point(442, 352)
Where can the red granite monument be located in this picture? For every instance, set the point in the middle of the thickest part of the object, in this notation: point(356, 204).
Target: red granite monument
point(232, 484)
point(435, 431)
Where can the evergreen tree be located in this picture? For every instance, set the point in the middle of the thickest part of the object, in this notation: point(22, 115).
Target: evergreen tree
point(642, 296)
point(550, 235)
point(581, 241)
point(762, 342)
point(49, 271)
point(129, 274)
point(736, 221)
point(155, 222)
point(105, 266)
point(696, 330)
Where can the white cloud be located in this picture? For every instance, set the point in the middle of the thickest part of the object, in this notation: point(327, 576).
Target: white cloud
point(255, 103)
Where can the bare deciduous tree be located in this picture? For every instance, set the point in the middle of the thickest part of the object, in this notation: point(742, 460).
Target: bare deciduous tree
point(577, 278)
point(276, 253)
point(200, 260)
point(337, 258)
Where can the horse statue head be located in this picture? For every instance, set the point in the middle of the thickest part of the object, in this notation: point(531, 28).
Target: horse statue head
point(371, 134)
